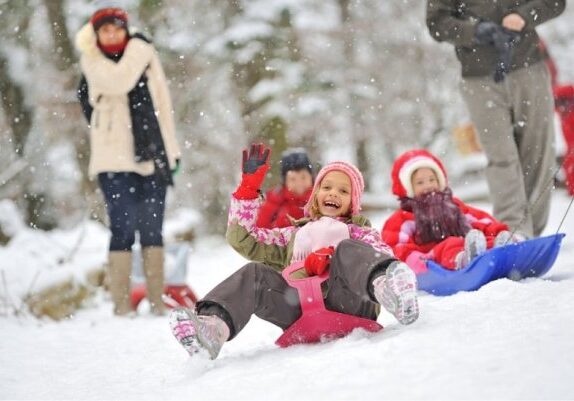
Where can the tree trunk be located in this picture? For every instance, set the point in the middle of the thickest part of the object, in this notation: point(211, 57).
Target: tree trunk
point(18, 115)
point(274, 132)
point(63, 56)
point(357, 134)
point(64, 59)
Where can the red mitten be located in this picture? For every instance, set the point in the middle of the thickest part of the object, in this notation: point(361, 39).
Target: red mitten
point(254, 166)
point(317, 262)
point(250, 184)
point(494, 228)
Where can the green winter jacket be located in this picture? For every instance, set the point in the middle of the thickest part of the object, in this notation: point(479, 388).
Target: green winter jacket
point(276, 256)
point(454, 21)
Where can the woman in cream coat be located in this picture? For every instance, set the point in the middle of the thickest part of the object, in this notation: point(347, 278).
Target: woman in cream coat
point(134, 150)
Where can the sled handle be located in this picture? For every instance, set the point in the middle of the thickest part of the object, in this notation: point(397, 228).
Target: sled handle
point(308, 288)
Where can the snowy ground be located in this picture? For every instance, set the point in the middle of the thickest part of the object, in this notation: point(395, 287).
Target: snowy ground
point(509, 340)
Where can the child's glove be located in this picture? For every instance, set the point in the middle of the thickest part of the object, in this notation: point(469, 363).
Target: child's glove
point(317, 262)
point(254, 166)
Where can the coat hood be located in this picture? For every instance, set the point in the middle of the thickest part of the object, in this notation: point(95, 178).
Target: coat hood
point(405, 166)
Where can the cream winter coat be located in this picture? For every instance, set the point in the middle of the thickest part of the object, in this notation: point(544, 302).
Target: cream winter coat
point(111, 137)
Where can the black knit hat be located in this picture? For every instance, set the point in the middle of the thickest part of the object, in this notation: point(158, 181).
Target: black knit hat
point(295, 159)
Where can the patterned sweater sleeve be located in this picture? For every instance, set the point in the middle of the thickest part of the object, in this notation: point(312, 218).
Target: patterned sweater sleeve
point(269, 246)
point(370, 236)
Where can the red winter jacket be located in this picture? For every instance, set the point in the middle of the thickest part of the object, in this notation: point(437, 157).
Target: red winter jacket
point(564, 100)
point(399, 233)
point(279, 204)
point(399, 230)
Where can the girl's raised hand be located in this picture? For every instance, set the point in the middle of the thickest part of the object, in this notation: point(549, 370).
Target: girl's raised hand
point(257, 157)
point(254, 167)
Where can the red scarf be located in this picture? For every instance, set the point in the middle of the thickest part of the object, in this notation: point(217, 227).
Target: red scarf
point(115, 48)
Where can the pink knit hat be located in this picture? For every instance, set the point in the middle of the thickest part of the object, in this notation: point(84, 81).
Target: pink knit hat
point(357, 184)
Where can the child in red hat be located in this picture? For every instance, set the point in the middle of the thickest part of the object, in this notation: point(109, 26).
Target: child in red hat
point(431, 223)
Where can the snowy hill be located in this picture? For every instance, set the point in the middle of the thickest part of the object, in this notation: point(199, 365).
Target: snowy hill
point(508, 340)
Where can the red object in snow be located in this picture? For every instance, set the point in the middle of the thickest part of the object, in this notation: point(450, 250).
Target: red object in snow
point(182, 295)
point(316, 322)
point(564, 101)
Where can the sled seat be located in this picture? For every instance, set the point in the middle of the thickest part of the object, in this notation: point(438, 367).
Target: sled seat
point(531, 258)
point(316, 322)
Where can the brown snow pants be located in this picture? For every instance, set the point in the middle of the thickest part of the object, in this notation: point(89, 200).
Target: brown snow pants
point(515, 124)
point(258, 289)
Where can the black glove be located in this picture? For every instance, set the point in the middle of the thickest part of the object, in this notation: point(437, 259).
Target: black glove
point(257, 157)
point(254, 167)
point(504, 41)
point(484, 32)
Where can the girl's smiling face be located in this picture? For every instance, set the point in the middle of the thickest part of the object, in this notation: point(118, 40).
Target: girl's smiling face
point(334, 194)
point(424, 181)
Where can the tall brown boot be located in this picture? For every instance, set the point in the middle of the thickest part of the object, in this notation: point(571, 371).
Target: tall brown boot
point(119, 270)
point(153, 270)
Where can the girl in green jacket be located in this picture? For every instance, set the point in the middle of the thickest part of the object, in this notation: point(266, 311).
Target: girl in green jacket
point(363, 272)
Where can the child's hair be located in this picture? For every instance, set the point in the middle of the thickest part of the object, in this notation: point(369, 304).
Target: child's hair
point(357, 187)
point(408, 163)
point(295, 159)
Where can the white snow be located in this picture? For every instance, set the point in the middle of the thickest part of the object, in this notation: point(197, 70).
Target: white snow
point(508, 340)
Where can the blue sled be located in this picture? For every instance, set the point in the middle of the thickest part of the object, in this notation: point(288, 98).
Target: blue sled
point(530, 258)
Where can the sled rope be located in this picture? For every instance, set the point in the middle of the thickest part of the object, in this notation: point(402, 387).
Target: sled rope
point(565, 213)
point(548, 186)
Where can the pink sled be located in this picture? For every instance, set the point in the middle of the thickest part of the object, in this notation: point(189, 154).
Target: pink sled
point(316, 323)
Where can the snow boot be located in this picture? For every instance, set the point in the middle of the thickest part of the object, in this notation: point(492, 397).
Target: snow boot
point(506, 237)
point(503, 238)
point(153, 269)
point(474, 245)
point(396, 291)
point(119, 270)
point(198, 333)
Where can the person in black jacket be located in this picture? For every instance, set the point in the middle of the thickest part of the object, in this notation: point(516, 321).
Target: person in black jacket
point(506, 87)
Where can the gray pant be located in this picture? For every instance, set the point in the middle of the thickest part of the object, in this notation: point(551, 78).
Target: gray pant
point(514, 121)
point(260, 290)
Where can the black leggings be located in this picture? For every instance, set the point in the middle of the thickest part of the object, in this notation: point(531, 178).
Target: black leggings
point(134, 203)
